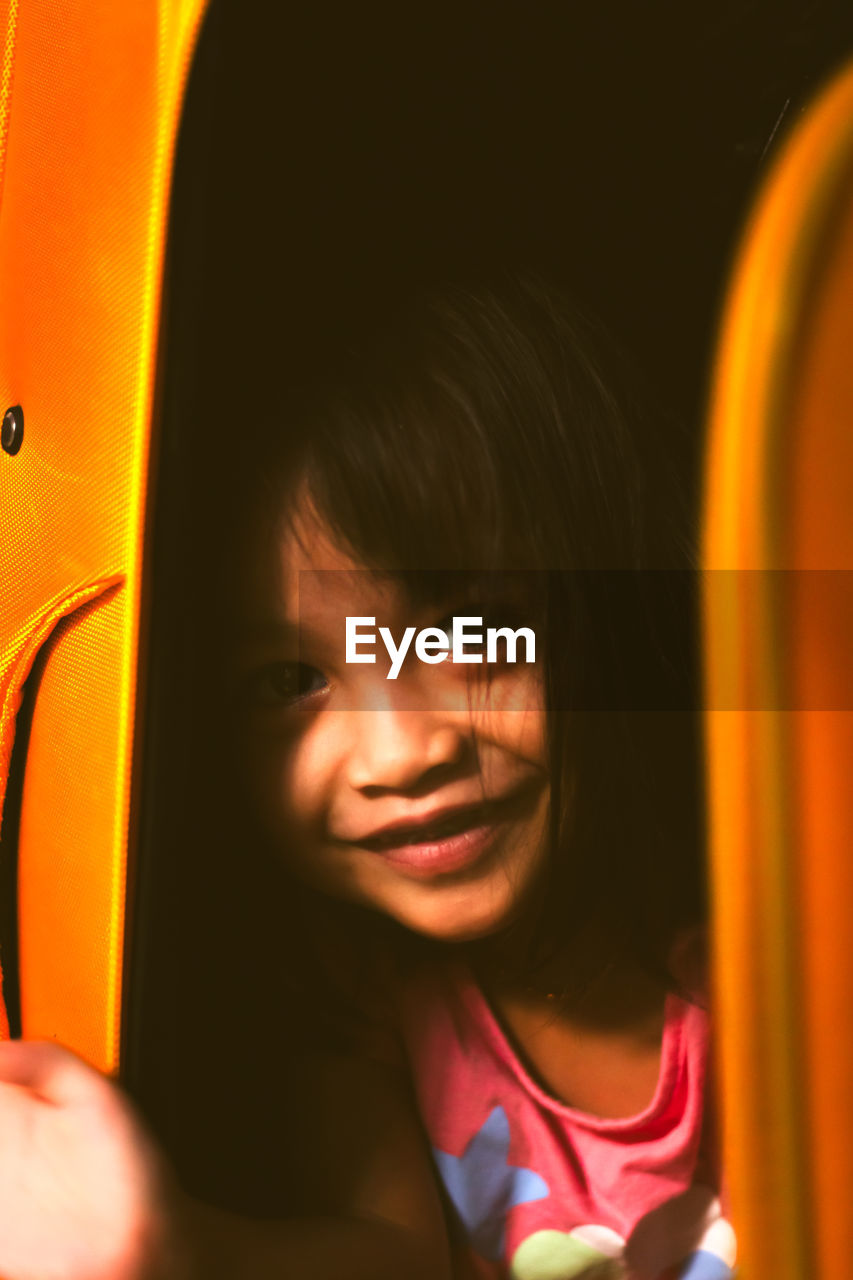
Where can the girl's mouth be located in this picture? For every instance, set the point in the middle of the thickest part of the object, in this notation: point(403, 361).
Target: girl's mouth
point(442, 855)
point(448, 843)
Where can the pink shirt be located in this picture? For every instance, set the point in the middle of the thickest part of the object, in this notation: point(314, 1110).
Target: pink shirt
point(544, 1192)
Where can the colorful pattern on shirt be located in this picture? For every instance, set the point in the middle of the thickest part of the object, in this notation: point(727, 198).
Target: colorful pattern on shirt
point(544, 1192)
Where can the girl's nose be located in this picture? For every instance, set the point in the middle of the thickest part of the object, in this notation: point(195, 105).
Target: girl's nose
point(398, 749)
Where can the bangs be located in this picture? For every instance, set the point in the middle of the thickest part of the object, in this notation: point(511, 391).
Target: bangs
point(400, 471)
point(476, 435)
point(397, 484)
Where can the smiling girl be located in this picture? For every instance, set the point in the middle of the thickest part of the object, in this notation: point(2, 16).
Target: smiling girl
point(533, 829)
point(500, 864)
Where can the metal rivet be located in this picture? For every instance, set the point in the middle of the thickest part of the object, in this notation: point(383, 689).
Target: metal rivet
point(12, 432)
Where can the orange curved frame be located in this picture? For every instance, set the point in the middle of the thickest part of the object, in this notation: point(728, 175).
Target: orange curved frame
point(90, 98)
point(778, 554)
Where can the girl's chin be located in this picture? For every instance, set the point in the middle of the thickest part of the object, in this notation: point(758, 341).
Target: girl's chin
point(453, 915)
point(462, 905)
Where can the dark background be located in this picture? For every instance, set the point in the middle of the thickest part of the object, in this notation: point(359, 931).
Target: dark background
point(358, 150)
point(333, 158)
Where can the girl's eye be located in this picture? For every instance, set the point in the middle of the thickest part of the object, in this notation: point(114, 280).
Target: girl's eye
point(286, 683)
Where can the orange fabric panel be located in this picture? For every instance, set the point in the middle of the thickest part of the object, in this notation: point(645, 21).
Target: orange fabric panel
point(92, 119)
point(779, 643)
point(20, 654)
point(8, 25)
point(72, 908)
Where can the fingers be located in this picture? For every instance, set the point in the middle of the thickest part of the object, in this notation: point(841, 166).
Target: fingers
point(53, 1073)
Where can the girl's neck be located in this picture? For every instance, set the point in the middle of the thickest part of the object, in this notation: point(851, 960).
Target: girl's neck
point(591, 980)
point(589, 1028)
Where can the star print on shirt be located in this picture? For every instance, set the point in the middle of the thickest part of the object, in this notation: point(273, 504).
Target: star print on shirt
point(484, 1186)
point(706, 1266)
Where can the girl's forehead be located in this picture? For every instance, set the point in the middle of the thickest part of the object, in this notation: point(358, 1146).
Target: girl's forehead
point(306, 583)
point(306, 543)
point(317, 572)
point(302, 564)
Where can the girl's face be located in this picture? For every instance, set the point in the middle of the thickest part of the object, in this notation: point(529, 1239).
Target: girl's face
point(424, 797)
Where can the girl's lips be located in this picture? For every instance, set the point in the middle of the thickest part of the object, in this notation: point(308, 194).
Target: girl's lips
point(448, 840)
point(440, 856)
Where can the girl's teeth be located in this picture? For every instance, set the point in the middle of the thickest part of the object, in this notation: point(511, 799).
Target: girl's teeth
point(424, 835)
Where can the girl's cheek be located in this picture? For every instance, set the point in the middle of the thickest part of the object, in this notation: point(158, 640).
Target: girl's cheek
point(511, 714)
point(294, 776)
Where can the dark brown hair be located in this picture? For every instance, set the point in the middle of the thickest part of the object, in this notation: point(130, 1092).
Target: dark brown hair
point(492, 429)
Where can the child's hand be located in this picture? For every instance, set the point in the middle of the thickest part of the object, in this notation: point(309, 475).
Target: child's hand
point(83, 1191)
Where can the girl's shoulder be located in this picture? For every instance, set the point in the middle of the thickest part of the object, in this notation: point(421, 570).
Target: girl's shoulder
point(423, 1010)
point(495, 1127)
